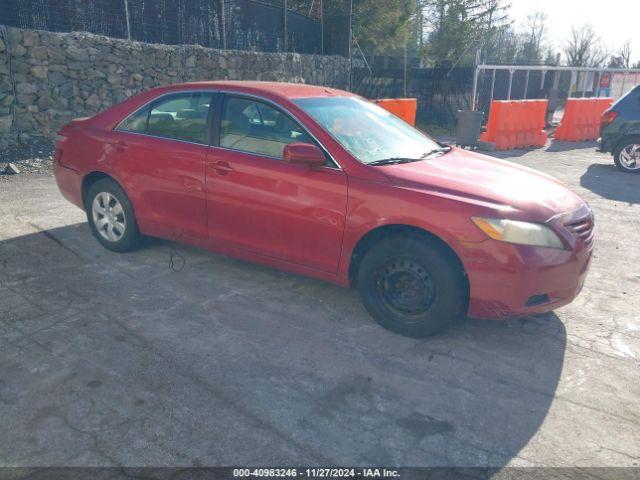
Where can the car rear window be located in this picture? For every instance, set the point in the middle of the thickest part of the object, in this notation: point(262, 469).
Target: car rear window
point(629, 99)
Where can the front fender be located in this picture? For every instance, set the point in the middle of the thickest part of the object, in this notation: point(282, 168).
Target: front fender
point(372, 206)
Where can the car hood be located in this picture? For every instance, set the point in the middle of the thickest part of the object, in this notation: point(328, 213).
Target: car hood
point(488, 181)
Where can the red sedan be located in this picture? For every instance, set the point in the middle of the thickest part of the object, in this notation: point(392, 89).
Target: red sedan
point(323, 183)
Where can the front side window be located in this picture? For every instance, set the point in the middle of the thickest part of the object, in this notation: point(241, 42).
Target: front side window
point(255, 127)
point(367, 131)
point(181, 116)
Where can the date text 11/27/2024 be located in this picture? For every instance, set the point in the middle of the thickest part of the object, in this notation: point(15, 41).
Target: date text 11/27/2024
point(315, 472)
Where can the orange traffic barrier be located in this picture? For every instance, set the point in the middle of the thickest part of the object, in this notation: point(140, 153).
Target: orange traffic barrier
point(581, 119)
point(405, 108)
point(516, 124)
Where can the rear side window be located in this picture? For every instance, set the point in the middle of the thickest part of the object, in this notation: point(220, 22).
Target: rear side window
point(181, 116)
point(136, 123)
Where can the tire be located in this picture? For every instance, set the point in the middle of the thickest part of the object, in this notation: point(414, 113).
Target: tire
point(412, 285)
point(124, 235)
point(627, 155)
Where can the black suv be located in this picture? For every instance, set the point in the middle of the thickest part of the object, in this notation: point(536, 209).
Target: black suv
point(620, 131)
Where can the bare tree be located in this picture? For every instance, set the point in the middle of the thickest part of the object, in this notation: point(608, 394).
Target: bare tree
point(504, 47)
point(625, 54)
point(457, 28)
point(533, 36)
point(621, 59)
point(584, 48)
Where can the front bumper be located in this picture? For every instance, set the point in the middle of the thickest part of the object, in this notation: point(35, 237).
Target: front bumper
point(508, 280)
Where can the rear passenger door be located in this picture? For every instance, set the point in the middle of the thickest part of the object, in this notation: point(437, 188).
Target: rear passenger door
point(160, 153)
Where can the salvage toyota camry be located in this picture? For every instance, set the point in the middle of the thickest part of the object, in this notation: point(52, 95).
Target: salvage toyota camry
point(323, 183)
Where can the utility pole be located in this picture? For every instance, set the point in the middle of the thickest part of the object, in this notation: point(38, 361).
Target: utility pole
point(350, 44)
point(421, 26)
point(404, 84)
point(286, 28)
point(321, 28)
point(406, 53)
point(126, 14)
point(474, 89)
point(223, 25)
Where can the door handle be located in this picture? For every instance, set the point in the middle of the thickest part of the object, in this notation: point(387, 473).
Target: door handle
point(221, 167)
point(120, 145)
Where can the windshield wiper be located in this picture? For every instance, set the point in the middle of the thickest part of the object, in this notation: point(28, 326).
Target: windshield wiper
point(394, 161)
point(442, 151)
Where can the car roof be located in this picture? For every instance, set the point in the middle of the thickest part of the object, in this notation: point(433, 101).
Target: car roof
point(275, 91)
point(624, 100)
point(278, 89)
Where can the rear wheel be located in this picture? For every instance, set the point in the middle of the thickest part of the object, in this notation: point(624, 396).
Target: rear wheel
point(627, 155)
point(412, 285)
point(110, 216)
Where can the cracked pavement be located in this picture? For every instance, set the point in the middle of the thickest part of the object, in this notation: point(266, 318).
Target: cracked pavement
point(115, 359)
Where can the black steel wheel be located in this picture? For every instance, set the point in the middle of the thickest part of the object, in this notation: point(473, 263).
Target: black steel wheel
point(412, 284)
point(406, 287)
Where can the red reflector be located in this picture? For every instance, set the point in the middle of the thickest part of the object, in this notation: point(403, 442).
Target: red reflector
point(608, 117)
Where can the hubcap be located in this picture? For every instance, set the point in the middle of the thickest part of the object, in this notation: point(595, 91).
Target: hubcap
point(108, 216)
point(406, 287)
point(630, 156)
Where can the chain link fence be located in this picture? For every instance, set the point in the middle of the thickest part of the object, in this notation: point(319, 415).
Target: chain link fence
point(300, 26)
point(554, 83)
point(258, 25)
point(440, 92)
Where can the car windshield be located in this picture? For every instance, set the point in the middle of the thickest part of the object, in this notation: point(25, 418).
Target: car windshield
point(370, 133)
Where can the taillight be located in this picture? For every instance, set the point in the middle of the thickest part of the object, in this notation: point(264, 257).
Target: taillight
point(608, 117)
point(60, 139)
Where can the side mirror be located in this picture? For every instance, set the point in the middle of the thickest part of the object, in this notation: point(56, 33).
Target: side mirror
point(303, 154)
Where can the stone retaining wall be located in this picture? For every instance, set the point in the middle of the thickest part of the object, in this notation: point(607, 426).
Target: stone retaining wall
point(47, 78)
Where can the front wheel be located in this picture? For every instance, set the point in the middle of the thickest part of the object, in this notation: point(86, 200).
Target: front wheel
point(412, 286)
point(627, 155)
point(110, 216)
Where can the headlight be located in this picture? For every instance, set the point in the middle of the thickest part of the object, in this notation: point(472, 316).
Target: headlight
point(513, 231)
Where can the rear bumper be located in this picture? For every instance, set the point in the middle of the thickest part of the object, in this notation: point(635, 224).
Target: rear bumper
point(508, 280)
point(605, 144)
point(69, 182)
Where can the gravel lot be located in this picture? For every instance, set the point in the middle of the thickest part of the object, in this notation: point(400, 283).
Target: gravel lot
point(32, 156)
point(110, 359)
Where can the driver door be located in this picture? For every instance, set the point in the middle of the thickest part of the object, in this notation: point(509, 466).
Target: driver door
point(258, 202)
